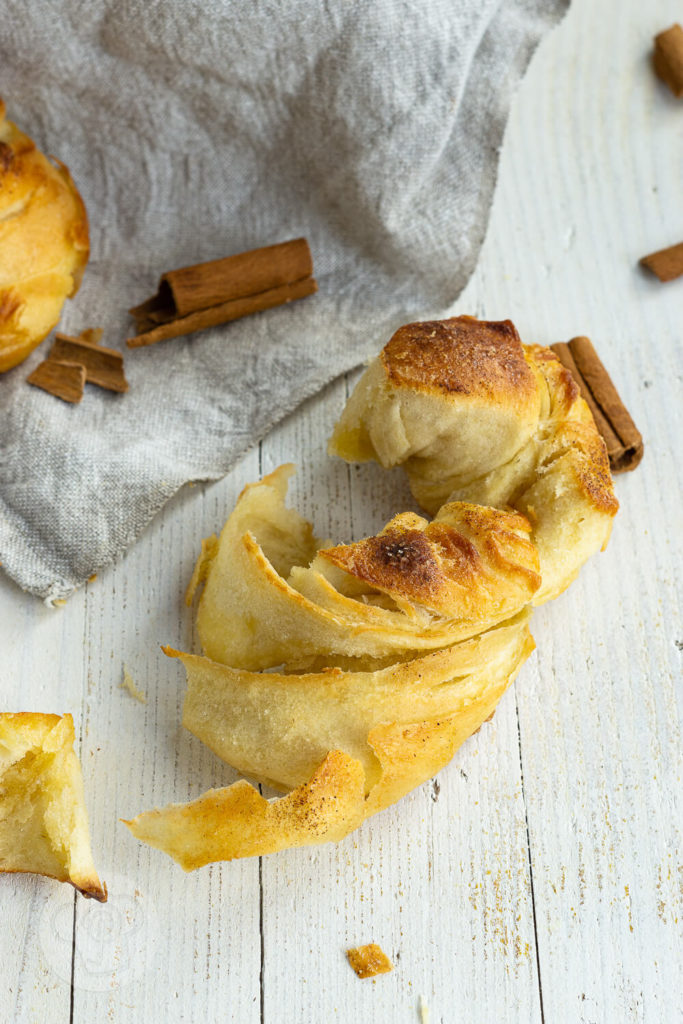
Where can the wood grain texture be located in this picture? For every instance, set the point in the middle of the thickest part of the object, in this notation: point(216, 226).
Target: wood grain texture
point(538, 877)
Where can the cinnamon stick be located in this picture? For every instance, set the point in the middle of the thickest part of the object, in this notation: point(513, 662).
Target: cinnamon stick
point(225, 312)
point(209, 284)
point(668, 58)
point(622, 438)
point(666, 264)
point(103, 366)
point(62, 379)
point(208, 294)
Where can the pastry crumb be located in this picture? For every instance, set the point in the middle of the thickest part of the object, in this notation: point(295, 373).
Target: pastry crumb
point(128, 684)
point(367, 961)
point(424, 1011)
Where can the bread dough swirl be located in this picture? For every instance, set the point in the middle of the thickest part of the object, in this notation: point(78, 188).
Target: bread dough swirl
point(345, 675)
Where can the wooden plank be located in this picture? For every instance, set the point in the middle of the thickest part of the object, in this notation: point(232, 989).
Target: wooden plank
point(173, 946)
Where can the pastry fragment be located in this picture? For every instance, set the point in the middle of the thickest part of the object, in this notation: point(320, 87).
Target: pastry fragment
point(43, 820)
point(238, 822)
point(44, 244)
point(369, 961)
point(345, 744)
point(473, 415)
point(416, 586)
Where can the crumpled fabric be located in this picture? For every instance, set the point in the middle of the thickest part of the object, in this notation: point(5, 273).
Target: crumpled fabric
point(199, 129)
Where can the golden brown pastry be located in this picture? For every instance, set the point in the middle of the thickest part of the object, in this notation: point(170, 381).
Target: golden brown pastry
point(473, 415)
point(347, 744)
point(43, 820)
point(347, 675)
point(273, 596)
point(44, 243)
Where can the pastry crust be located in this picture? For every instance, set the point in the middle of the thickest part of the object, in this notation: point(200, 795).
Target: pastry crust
point(44, 244)
point(43, 820)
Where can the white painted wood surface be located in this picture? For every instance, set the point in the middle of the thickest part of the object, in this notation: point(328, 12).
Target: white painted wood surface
point(538, 879)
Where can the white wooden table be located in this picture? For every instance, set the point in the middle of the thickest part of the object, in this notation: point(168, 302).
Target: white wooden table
point(538, 878)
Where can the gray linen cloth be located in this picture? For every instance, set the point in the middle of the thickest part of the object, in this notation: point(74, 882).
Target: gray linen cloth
point(200, 128)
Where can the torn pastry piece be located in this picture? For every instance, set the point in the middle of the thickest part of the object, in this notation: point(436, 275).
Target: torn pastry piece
point(473, 415)
point(346, 744)
point(43, 820)
point(44, 243)
point(273, 596)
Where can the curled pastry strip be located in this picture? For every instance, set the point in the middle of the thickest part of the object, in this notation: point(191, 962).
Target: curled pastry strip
point(346, 744)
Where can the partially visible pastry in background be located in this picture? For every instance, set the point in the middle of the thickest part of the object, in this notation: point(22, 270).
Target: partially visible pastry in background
point(43, 820)
point(44, 243)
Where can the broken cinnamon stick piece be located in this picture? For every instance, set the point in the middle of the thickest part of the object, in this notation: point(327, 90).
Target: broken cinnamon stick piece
point(666, 264)
point(103, 366)
point(62, 379)
point(668, 58)
point(225, 312)
point(622, 438)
